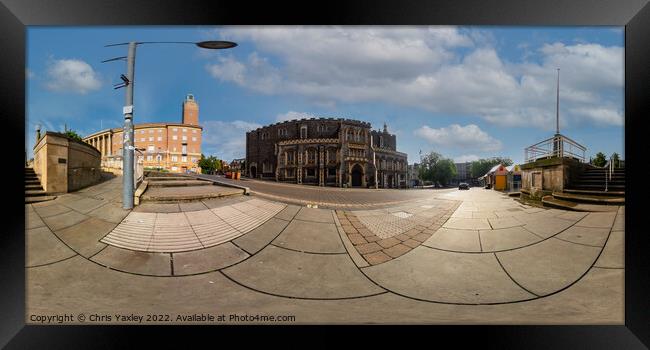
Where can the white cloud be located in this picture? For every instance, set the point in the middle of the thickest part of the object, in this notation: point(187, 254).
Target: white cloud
point(291, 115)
point(456, 136)
point(421, 67)
point(226, 140)
point(71, 75)
point(466, 158)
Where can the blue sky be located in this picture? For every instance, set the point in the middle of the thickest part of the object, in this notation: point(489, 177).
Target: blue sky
point(465, 92)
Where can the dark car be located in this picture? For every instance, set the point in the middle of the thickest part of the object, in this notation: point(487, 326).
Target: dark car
point(463, 186)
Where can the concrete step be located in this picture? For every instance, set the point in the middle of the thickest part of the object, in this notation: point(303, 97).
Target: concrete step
point(179, 183)
point(600, 187)
point(32, 182)
point(597, 193)
point(585, 198)
point(37, 199)
point(187, 193)
point(31, 177)
point(33, 187)
point(168, 178)
point(34, 193)
point(550, 201)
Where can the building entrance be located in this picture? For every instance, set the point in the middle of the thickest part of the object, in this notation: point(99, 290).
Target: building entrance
point(357, 174)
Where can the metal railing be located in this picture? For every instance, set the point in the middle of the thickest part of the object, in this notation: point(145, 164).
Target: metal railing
point(558, 146)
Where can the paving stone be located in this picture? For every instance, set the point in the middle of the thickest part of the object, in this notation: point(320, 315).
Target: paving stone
point(349, 229)
point(316, 215)
point(32, 220)
point(64, 220)
point(356, 239)
point(604, 220)
point(192, 206)
point(289, 273)
point(619, 222)
point(613, 255)
point(43, 247)
point(548, 266)
point(85, 204)
point(212, 203)
point(504, 222)
point(402, 237)
point(545, 227)
point(288, 213)
point(456, 240)
point(84, 237)
point(412, 233)
point(388, 242)
point(572, 215)
point(365, 232)
point(155, 264)
point(441, 276)
point(157, 208)
point(111, 212)
point(368, 248)
point(51, 210)
point(506, 238)
point(372, 238)
point(467, 224)
point(253, 241)
point(377, 258)
point(411, 243)
point(422, 237)
point(397, 250)
point(483, 215)
point(585, 235)
point(208, 259)
point(313, 237)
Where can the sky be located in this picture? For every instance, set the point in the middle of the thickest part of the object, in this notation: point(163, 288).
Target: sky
point(464, 92)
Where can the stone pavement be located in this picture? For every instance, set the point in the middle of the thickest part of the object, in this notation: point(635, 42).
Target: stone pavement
point(485, 259)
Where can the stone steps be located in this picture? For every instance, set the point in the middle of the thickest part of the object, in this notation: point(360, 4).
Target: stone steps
point(36, 199)
point(597, 193)
point(168, 178)
point(590, 198)
point(550, 201)
point(178, 183)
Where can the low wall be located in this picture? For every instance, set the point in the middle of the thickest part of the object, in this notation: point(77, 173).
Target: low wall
point(64, 165)
point(545, 176)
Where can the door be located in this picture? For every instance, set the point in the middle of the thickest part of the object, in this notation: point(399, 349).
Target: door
point(357, 173)
point(500, 183)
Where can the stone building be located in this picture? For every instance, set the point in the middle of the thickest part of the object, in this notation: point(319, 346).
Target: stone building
point(175, 147)
point(326, 152)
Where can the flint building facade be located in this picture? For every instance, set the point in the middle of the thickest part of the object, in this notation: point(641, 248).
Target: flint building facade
point(326, 152)
point(175, 147)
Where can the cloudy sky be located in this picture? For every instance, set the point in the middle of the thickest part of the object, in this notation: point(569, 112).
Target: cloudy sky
point(465, 92)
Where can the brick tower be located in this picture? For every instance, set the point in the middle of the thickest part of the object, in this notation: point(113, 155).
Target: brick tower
point(190, 110)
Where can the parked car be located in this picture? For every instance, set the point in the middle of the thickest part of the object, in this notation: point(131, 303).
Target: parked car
point(463, 186)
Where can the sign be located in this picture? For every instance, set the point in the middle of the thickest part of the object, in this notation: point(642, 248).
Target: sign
point(127, 110)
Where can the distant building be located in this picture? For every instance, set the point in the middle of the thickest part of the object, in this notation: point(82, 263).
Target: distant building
point(238, 164)
point(326, 152)
point(175, 147)
point(413, 175)
point(463, 172)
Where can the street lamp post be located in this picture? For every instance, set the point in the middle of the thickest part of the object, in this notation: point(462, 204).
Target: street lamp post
point(128, 140)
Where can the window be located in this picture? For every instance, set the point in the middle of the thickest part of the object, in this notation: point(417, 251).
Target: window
point(290, 158)
point(311, 172)
point(149, 158)
point(184, 149)
point(150, 149)
point(174, 149)
point(174, 168)
point(141, 131)
point(184, 130)
point(151, 131)
point(159, 138)
point(184, 138)
point(331, 172)
point(142, 139)
point(159, 158)
point(159, 131)
point(193, 131)
point(303, 132)
point(175, 129)
point(174, 137)
point(184, 159)
point(174, 158)
point(381, 141)
point(193, 159)
point(194, 138)
point(266, 167)
point(151, 139)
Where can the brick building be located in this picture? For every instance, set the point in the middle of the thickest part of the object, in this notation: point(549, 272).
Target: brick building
point(175, 147)
point(326, 152)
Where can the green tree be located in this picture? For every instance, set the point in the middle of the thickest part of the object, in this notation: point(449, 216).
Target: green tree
point(617, 160)
point(209, 165)
point(482, 166)
point(437, 169)
point(599, 160)
point(73, 135)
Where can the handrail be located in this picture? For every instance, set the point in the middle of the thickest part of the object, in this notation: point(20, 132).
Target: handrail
point(556, 146)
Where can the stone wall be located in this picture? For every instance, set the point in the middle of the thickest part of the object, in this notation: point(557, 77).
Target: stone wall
point(64, 165)
point(549, 175)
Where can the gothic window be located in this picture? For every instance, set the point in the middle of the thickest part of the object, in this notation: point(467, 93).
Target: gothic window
point(303, 132)
point(381, 141)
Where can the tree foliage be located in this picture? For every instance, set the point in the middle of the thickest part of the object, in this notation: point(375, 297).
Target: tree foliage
point(210, 164)
point(73, 135)
point(482, 166)
point(600, 160)
point(437, 169)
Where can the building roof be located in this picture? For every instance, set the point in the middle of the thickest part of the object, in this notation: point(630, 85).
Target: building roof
point(144, 125)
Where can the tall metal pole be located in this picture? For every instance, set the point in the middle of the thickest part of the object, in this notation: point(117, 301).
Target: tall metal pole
point(557, 104)
point(127, 147)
